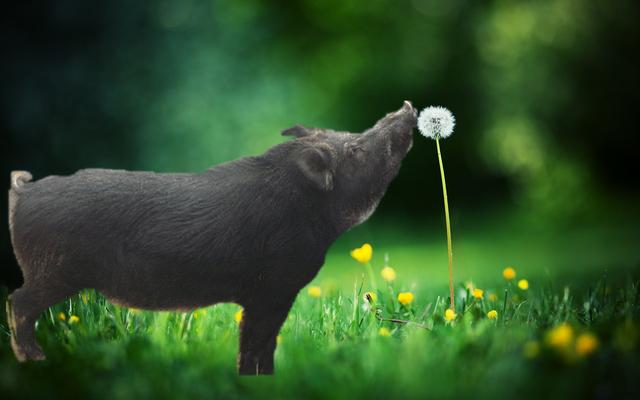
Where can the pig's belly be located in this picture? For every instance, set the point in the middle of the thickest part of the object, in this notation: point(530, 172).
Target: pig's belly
point(171, 290)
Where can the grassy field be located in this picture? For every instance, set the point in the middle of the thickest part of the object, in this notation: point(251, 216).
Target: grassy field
point(573, 333)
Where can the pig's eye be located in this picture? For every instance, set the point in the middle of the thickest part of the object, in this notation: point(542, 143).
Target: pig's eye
point(356, 150)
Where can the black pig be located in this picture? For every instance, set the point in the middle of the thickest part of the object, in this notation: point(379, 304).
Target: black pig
point(253, 231)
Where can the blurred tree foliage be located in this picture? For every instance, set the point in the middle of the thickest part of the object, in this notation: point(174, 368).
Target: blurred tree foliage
point(544, 91)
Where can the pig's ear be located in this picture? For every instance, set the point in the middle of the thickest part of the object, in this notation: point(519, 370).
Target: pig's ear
point(317, 165)
point(298, 131)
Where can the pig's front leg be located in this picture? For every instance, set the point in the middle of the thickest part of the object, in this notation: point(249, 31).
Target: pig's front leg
point(258, 331)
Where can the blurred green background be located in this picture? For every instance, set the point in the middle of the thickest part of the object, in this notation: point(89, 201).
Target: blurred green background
point(540, 169)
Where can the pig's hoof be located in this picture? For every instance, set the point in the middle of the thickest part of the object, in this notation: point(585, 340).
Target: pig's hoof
point(36, 355)
point(26, 353)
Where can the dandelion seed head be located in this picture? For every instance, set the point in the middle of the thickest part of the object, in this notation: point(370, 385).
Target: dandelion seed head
point(436, 122)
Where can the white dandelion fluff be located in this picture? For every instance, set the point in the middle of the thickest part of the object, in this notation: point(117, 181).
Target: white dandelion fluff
point(436, 122)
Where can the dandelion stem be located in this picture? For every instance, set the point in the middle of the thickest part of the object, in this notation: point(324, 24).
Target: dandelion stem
point(446, 214)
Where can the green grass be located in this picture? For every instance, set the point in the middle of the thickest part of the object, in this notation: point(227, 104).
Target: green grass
point(331, 346)
point(332, 349)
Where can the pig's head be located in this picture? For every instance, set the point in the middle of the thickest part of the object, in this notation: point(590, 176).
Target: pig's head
point(348, 173)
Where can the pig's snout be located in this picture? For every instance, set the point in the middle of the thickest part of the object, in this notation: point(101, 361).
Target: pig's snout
point(405, 119)
point(401, 133)
point(408, 107)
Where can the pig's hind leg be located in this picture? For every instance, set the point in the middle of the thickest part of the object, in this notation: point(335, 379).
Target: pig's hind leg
point(24, 306)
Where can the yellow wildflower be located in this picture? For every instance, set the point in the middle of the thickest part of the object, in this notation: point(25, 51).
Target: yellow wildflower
point(449, 314)
point(371, 297)
point(493, 297)
point(198, 313)
point(586, 344)
point(384, 331)
point(362, 254)
point(523, 284)
point(238, 315)
point(493, 314)
point(509, 273)
point(73, 319)
point(561, 336)
point(531, 349)
point(405, 298)
point(388, 274)
point(477, 293)
point(314, 291)
point(61, 316)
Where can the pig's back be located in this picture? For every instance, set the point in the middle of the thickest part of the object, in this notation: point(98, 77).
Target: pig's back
point(145, 222)
point(102, 205)
point(92, 206)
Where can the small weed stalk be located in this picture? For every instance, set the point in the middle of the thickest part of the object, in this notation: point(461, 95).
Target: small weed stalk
point(372, 277)
point(437, 123)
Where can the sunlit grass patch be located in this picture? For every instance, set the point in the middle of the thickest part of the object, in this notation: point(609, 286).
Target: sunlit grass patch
point(401, 338)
